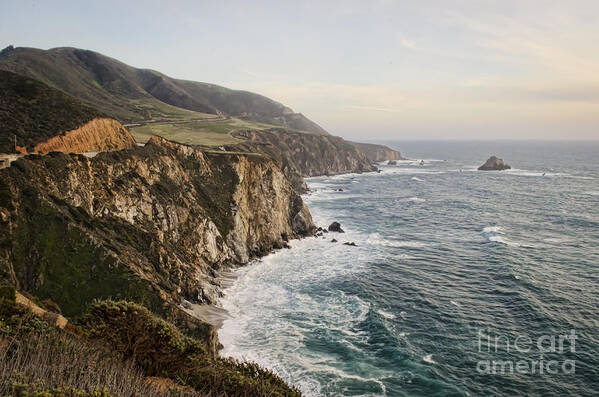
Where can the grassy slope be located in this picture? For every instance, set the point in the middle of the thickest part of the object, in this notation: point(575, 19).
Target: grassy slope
point(35, 112)
point(132, 95)
point(207, 133)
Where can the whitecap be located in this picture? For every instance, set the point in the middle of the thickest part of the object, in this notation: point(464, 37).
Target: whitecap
point(493, 229)
point(386, 315)
point(416, 199)
point(415, 178)
point(454, 303)
point(429, 359)
point(403, 314)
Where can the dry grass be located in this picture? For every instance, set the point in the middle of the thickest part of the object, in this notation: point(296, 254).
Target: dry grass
point(52, 361)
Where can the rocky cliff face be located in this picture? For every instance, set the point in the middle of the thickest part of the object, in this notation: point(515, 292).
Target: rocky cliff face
point(97, 135)
point(303, 155)
point(151, 224)
point(377, 153)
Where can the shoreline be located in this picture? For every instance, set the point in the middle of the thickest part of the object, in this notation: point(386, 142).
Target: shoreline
point(214, 314)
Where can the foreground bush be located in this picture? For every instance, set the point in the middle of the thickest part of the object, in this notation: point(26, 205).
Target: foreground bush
point(160, 349)
point(42, 361)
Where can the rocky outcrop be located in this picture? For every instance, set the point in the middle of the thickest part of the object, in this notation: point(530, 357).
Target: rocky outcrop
point(377, 153)
point(494, 164)
point(335, 227)
point(97, 135)
point(151, 224)
point(303, 155)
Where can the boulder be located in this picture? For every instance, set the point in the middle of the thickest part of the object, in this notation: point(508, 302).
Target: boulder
point(392, 162)
point(333, 241)
point(494, 164)
point(335, 227)
point(352, 244)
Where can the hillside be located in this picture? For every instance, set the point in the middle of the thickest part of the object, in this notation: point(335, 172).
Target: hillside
point(377, 153)
point(137, 95)
point(35, 112)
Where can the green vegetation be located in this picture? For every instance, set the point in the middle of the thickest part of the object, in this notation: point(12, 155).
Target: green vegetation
point(39, 360)
point(197, 132)
point(216, 194)
point(136, 95)
point(35, 112)
point(160, 349)
point(118, 346)
point(46, 244)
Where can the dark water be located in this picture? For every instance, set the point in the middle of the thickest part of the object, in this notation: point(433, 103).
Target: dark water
point(447, 258)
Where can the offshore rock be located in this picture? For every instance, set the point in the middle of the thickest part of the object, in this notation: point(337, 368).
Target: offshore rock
point(335, 227)
point(494, 164)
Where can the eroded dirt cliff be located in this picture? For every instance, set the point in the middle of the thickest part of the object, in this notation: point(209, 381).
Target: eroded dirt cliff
point(151, 224)
point(97, 135)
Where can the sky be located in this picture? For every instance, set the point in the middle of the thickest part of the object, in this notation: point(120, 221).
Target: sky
point(461, 69)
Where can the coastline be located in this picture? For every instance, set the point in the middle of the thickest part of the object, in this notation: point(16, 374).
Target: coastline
point(216, 315)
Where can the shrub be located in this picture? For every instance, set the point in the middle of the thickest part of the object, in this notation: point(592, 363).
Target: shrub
point(160, 349)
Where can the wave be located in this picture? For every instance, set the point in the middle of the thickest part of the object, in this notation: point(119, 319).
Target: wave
point(376, 239)
point(545, 174)
point(415, 178)
point(502, 240)
point(416, 199)
point(429, 359)
point(387, 315)
point(493, 229)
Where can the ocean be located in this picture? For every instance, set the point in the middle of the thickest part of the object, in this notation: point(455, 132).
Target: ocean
point(462, 283)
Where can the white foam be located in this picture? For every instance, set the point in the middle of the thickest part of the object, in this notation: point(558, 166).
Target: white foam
point(386, 315)
point(533, 173)
point(493, 229)
point(454, 303)
point(415, 178)
point(403, 314)
point(429, 359)
point(416, 199)
point(592, 193)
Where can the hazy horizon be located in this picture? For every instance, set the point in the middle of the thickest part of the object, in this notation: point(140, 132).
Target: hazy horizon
point(378, 71)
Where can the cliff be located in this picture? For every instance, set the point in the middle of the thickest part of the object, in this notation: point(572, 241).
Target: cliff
point(303, 155)
point(97, 135)
point(377, 153)
point(152, 225)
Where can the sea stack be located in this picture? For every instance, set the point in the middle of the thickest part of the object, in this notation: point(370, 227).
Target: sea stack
point(494, 163)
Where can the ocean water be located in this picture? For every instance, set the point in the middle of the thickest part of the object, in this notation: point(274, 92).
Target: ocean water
point(456, 274)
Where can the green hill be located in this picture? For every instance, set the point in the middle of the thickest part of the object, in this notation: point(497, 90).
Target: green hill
point(35, 112)
point(134, 95)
